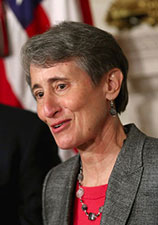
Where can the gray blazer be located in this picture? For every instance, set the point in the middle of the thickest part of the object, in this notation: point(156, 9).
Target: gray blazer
point(132, 195)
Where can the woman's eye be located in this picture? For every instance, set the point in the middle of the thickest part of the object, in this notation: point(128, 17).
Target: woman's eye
point(39, 95)
point(61, 86)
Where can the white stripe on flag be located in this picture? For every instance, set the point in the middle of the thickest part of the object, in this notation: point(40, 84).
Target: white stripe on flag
point(14, 71)
point(60, 10)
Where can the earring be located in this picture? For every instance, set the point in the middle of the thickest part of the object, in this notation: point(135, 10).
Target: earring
point(113, 111)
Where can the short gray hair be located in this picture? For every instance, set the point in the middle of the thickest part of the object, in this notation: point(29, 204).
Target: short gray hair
point(95, 50)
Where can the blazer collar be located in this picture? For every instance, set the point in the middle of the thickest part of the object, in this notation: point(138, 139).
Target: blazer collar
point(124, 180)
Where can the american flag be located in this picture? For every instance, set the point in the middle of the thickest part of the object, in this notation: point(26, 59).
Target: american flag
point(19, 20)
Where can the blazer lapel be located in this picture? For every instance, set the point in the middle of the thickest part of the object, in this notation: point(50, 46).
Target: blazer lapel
point(58, 196)
point(70, 193)
point(124, 180)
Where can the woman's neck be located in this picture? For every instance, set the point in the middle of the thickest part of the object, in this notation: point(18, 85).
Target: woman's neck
point(98, 159)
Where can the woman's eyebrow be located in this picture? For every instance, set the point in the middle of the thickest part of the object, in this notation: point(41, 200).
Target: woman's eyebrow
point(50, 80)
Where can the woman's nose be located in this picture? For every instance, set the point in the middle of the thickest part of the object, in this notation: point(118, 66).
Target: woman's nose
point(50, 106)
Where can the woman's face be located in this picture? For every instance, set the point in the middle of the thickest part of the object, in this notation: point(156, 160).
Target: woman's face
point(69, 103)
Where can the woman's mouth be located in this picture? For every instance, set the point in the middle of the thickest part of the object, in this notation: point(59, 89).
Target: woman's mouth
point(61, 125)
point(58, 125)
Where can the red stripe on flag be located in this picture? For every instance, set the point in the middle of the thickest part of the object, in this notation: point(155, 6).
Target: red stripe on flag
point(40, 22)
point(3, 32)
point(6, 94)
point(86, 12)
point(5, 38)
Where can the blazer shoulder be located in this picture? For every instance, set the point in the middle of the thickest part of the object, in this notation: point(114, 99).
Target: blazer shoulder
point(63, 168)
point(57, 175)
point(152, 141)
point(150, 153)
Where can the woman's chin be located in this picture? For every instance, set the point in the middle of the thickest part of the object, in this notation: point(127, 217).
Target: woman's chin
point(65, 145)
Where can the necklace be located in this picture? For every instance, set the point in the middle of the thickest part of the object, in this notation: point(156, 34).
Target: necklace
point(80, 193)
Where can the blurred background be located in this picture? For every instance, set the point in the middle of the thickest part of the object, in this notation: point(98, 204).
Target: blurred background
point(134, 23)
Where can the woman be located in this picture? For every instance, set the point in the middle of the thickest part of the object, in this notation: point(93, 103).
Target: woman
point(77, 75)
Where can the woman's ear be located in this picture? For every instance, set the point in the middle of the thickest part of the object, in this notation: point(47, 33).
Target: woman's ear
point(113, 82)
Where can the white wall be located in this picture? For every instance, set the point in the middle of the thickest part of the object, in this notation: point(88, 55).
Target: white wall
point(141, 48)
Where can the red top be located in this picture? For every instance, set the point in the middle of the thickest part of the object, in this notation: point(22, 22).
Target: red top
point(94, 198)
